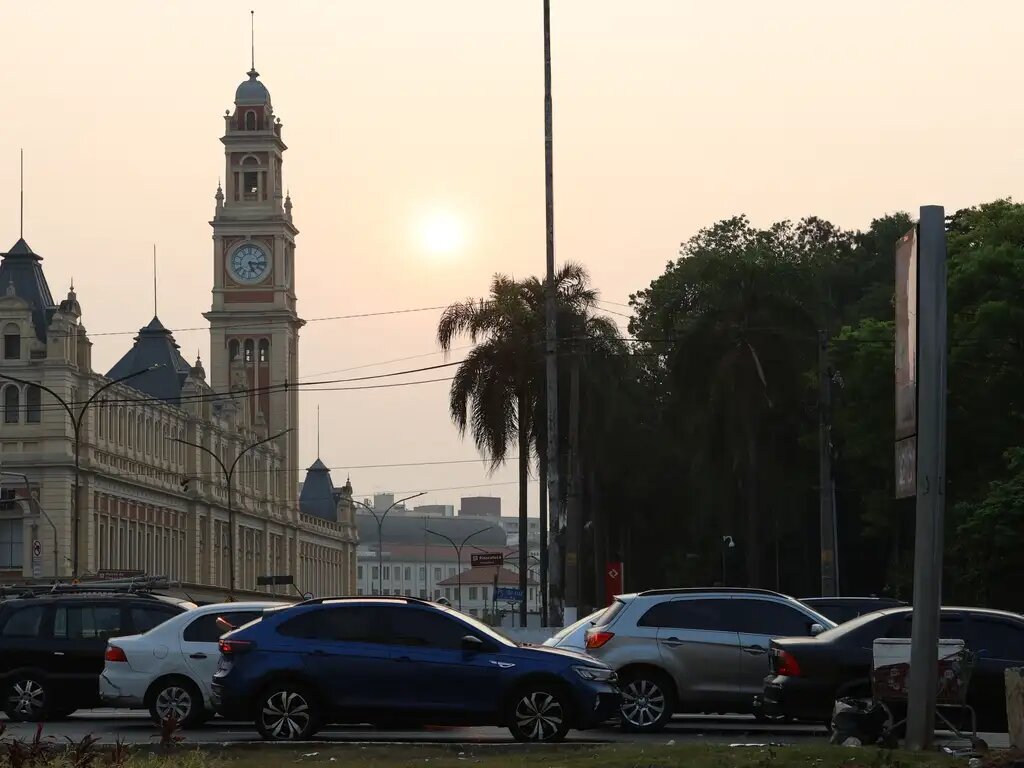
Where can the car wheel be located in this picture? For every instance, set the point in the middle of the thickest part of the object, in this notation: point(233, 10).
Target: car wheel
point(539, 714)
point(287, 712)
point(178, 699)
point(26, 699)
point(647, 702)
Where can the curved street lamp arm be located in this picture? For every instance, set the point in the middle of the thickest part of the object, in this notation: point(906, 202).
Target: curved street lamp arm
point(45, 388)
point(205, 450)
point(257, 444)
point(450, 541)
point(108, 385)
point(476, 533)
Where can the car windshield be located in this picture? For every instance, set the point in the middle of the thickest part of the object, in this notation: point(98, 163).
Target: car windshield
point(480, 627)
point(564, 633)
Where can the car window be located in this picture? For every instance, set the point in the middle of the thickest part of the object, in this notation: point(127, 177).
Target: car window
point(206, 628)
point(951, 626)
point(610, 613)
point(86, 622)
point(339, 623)
point(25, 622)
point(713, 615)
point(766, 617)
point(424, 629)
point(996, 638)
point(144, 618)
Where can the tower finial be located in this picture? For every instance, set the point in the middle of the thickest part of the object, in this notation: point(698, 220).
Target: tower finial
point(154, 280)
point(21, 199)
point(252, 39)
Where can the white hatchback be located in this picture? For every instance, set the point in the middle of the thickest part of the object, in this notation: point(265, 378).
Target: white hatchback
point(168, 670)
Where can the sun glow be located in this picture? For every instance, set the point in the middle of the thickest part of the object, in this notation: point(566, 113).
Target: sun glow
point(442, 234)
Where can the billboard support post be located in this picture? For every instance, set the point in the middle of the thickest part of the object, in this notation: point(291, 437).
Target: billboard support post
point(930, 476)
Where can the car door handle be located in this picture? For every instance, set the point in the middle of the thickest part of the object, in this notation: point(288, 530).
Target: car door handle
point(198, 656)
point(672, 642)
point(754, 650)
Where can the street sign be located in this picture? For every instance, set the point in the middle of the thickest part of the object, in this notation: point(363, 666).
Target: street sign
point(119, 574)
point(486, 558)
point(37, 549)
point(511, 594)
point(906, 363)
point(613, 581)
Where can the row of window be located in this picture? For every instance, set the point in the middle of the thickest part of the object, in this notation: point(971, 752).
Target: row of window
point(12, 404)
point(374, 573)
point(248, 350)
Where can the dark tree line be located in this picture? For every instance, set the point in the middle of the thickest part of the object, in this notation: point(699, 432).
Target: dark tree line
point(703, 421)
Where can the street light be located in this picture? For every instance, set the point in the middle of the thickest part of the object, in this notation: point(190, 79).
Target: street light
point(458, 554)
point(76, 423)
point(229, 473)
point(380, 534)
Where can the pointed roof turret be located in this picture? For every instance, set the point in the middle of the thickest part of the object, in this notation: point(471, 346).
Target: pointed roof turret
point(317, 497)
point(154, 349)
point(21, 267)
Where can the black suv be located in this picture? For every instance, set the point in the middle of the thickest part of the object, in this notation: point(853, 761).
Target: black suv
point(52, 646)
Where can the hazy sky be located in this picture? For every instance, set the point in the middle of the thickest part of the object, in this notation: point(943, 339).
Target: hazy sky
point(669, 115)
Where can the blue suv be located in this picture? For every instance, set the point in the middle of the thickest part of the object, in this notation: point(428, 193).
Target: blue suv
point(402, 660)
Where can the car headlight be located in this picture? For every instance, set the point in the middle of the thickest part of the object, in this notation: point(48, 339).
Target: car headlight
point(598, 674)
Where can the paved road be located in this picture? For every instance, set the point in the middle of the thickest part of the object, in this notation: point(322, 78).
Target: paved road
point(135, 727)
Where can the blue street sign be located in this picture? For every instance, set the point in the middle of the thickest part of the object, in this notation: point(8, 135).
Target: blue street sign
point(512, 594)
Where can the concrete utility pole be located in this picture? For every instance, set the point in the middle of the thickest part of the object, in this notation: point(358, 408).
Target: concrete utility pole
point(826, 499)
point(931, 475)
point(551, 305)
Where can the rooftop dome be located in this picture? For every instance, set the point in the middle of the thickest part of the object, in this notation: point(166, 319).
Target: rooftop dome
point(252, 92)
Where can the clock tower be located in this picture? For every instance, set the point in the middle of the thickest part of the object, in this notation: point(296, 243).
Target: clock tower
point(254, 325)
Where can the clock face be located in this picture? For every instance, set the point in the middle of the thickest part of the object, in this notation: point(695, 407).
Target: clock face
point(249, 264)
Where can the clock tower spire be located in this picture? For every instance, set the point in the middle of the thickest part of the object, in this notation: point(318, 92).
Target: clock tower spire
point(254, 324)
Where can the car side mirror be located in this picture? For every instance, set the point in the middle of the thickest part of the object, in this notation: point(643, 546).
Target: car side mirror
point(816, 629)
point(472, 644)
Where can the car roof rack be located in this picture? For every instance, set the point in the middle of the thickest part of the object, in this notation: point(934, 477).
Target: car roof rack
point(712, 590)
point(367, 598)
point(141, 586)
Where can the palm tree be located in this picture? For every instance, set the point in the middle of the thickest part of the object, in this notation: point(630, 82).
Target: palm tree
point(495, 393)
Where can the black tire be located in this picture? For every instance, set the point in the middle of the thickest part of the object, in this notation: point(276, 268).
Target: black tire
point(288, 712)
point(179, 697)
point(27, 698)
point(648, 701)
point(539, 713)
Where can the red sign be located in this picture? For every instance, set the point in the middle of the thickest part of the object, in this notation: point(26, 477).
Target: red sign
point(613, 580)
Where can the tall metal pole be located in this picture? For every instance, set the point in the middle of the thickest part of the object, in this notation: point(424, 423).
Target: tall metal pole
point(551, 348)
point(458, 556)
point(931, 475)
point(380, 536)
point(825, 496)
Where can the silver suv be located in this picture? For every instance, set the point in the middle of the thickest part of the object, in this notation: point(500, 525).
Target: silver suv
point(694, 650)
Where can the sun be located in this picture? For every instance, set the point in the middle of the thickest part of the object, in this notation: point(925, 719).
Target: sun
point(442, 233)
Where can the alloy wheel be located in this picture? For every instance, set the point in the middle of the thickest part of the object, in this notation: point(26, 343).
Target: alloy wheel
point(27, 699)
point(643, 703)
point(539, 716)
point(173, 701)
point(285, 715)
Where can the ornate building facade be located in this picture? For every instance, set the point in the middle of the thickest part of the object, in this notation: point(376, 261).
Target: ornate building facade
point(148, 445)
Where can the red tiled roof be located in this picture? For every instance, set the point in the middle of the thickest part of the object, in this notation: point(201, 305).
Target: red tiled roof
point(484, 575)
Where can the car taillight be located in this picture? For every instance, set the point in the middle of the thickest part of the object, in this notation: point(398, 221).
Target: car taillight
point(597, 638)
point(785, 664)
point(228, 647)
point(115, 654)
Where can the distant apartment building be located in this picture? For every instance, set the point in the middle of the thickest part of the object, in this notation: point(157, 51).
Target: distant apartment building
point(511, 526)
point(481, 506)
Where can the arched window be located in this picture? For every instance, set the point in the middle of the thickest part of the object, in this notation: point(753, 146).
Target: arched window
point(250, 120)
point(149, 435)
point(138, 435)
point(33, 400)
point(12, 404)
point(12, 342)
point(233, 349)
point(248, 350)
point(264, 350)
point(131, 430)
